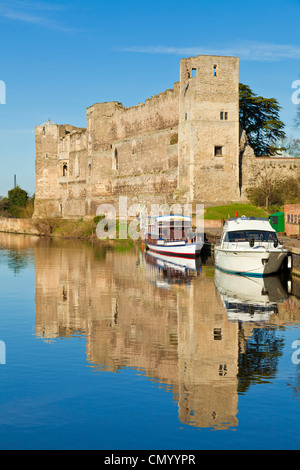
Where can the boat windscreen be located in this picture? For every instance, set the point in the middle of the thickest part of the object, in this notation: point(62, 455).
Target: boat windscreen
point(246, 235)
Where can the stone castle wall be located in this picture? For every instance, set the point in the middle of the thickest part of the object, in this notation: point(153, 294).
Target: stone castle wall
point(181, 146)
point(20, 226)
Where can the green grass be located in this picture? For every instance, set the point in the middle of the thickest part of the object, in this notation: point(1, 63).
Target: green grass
point(222, 212)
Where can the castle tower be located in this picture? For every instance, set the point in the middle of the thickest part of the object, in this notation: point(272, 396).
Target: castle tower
point(51, 168)
point(46, 177)
point(208, 153)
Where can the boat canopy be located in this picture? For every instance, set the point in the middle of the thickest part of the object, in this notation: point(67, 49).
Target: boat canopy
point(248, 223)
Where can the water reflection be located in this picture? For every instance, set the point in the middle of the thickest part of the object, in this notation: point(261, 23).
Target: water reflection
point(167, 271)
point(250, 298)
point(176, 322)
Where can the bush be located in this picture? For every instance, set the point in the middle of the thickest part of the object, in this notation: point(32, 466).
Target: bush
point(46, 225)
point(173, 139)
point(4, 207)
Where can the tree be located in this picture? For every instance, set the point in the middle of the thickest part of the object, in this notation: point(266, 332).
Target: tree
point(259, 117)
point(17, 198)
point(291, 145)
point(4, 205)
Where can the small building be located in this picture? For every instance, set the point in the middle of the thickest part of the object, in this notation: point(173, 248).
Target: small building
point(277, 221)
point(292, 219)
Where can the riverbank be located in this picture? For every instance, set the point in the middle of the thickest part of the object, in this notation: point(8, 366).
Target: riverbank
point(62, 229)
point(20, 226)
point(86, 230)
point(69, 228)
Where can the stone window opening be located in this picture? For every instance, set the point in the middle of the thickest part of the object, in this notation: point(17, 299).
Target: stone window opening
point(90, 169)
point(44, 130)
point(217, 334)
point(215, 70)
point(65, 169)
point(194, 73)
point(224, 115)
point(116, 160)
point(218, 151)
point(223, 370)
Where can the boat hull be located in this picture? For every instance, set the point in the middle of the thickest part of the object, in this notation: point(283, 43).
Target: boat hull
point(249, 262)
point(190, 250)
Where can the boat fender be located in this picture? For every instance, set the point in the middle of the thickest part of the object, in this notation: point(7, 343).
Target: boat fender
point(275, 243)
point(251, 242)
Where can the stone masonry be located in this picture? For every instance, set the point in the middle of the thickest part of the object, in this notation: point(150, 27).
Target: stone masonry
point(184, 145)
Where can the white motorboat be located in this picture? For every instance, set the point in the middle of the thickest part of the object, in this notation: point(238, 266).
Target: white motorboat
point(249, 246)
point(172, 235)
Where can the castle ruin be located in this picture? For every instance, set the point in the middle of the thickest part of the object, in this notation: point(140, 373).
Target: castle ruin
point(184, 145)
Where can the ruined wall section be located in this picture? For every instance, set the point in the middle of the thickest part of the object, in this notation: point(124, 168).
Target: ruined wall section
point(208, 169)
point(72, 183)
point(133, 151)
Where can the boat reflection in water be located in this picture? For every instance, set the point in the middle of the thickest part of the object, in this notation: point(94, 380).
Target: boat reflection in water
point(248, 298)
point(167, 271)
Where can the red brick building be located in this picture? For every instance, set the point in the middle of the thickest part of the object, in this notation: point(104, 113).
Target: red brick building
point(292, 219)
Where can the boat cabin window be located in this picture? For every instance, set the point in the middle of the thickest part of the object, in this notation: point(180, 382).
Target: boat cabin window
point(245, 235)
point(174, 230)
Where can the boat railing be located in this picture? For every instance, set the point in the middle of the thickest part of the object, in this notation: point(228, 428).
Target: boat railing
point(247, 244)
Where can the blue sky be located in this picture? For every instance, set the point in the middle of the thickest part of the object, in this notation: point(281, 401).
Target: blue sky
point(59, 57)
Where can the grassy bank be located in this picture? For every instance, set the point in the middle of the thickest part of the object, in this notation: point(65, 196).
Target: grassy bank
point(86, 229)
point(76, 229)
point(222, 212)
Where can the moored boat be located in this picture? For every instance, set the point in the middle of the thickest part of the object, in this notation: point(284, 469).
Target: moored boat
point(249, 246)
point(172, 235)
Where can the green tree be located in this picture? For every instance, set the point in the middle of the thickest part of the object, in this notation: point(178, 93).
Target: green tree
point(259, 117)
point(4, 206)
point(17, 199)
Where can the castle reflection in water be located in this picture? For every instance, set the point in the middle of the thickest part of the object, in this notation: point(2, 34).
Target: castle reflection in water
point(186, 327)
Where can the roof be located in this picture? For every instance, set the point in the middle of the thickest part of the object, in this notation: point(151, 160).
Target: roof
point(248, 223)
point(165, 218)
point(277, 213)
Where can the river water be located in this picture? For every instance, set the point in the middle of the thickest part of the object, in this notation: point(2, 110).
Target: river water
point(107, 347)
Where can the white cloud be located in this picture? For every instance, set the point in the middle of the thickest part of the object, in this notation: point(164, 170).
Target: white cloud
point(32, 12)
point(245, 50)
